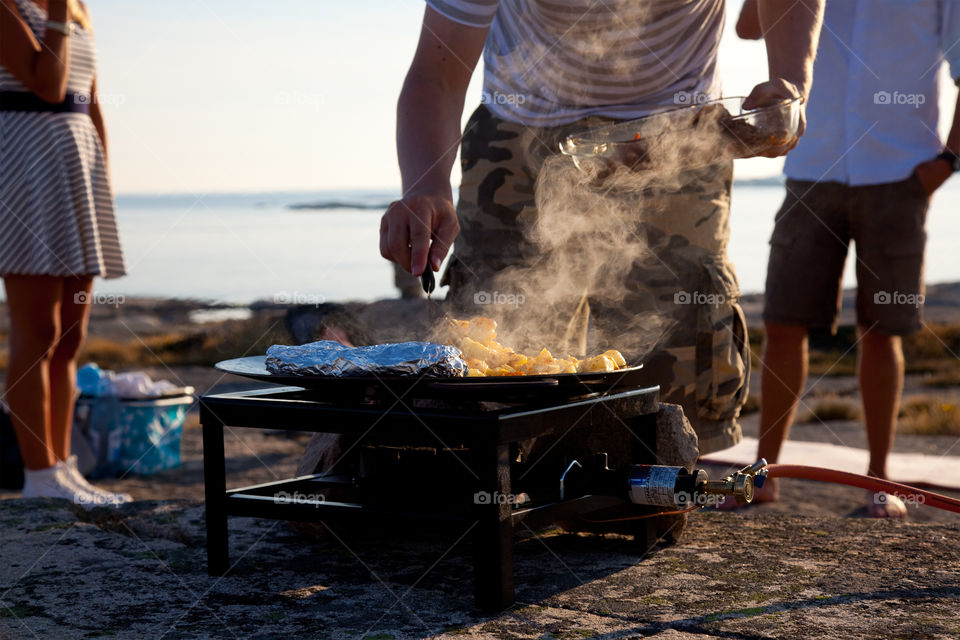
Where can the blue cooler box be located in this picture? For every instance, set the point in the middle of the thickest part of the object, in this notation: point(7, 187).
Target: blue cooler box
point(132, 436)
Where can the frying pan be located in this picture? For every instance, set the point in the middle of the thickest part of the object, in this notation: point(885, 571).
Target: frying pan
point(493, 388)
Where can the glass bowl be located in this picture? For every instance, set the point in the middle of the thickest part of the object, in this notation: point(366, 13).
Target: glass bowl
point(687, 137)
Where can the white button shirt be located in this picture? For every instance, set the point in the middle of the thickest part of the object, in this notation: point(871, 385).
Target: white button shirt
point(873, 109)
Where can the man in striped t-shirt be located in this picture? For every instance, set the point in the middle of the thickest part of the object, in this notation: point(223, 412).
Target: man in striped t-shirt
point(553, 67)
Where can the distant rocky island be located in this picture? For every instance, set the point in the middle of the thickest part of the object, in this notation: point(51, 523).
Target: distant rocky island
point(340, 204)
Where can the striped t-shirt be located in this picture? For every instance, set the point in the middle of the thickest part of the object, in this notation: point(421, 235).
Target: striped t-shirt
point(551, 62)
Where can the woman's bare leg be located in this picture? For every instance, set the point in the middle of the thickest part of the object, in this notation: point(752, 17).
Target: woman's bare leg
point(74, 312)
point(34, 305)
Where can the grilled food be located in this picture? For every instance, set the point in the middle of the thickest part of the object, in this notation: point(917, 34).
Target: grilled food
point(477, 340)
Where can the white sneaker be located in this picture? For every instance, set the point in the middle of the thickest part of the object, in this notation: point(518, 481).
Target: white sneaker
point(53, 482)
point(73, 474)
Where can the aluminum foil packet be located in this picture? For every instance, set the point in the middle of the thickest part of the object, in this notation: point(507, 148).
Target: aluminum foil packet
point(329, 358)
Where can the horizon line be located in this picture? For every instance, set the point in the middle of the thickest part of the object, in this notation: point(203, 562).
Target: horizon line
point(771, 179)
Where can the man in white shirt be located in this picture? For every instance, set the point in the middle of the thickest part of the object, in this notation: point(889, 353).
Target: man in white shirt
point(865, 172)
point(553, 67)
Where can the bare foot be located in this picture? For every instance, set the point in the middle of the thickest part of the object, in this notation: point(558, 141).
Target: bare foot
point(770, 492)
point(885, 505)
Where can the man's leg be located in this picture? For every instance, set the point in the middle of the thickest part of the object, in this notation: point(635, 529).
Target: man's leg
point(881, 381)
point(784, 373)
point(890, 240)
point(807, 252)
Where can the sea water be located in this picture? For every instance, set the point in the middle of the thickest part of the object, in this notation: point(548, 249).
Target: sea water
point(240, 248)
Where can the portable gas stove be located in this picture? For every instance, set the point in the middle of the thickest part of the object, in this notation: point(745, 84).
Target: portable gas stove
point(477, 428)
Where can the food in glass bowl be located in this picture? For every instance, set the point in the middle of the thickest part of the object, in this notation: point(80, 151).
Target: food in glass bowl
point(756, 131)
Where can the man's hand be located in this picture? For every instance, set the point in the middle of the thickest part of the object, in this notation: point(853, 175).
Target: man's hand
point(771, 92)
point(417, 229)
point(933, 173)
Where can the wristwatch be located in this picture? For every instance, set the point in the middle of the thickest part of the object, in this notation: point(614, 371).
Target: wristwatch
point(66, 28)
point(952, 158)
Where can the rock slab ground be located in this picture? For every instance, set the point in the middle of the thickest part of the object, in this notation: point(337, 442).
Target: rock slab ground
point(139, 572)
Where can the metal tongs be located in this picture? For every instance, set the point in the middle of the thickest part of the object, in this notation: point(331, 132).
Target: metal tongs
point(428, 281)
point(434, 311)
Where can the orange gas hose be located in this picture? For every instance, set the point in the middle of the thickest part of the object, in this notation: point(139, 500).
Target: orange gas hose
point(903, 491)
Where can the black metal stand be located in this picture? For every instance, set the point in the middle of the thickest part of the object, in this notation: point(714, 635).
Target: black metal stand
point(485, 434)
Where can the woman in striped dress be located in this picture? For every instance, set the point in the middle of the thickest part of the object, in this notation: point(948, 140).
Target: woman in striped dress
point(57, 228)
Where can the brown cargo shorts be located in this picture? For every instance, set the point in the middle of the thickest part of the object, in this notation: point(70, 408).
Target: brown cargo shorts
point(685, 281)
point(809, 246)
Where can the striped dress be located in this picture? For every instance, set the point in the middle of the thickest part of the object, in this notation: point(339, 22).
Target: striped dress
point(56, 205)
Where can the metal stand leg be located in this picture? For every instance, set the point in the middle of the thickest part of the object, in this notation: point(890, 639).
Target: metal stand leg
point(215, 483)
point(493, 534)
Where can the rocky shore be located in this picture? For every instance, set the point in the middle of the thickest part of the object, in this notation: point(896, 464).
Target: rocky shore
point(799, 568)
point(139, 572)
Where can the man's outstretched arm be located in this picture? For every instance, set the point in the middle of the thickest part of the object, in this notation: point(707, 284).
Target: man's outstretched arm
point(417, 231)
point(748, 24)
point(933, 173)
point(791, 29)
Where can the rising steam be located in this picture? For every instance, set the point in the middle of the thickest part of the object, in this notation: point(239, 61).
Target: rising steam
point(591, 239)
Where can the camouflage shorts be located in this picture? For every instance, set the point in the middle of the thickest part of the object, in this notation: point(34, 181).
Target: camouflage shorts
point(683, 284)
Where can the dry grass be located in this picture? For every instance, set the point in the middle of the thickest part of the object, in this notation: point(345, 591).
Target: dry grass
point(934, 341)
point(929, 416)
point(948, 377)
point(830, 407)
point(110, 354)
point(231, 339)
point(834, 360)
point(203, 347)
point(833, 363)
point(935, 350)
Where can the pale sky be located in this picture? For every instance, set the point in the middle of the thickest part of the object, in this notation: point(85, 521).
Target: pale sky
point(239, 95)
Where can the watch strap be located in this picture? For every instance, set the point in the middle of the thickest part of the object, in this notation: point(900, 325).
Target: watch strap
point(952, 158)
point(66, 28)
